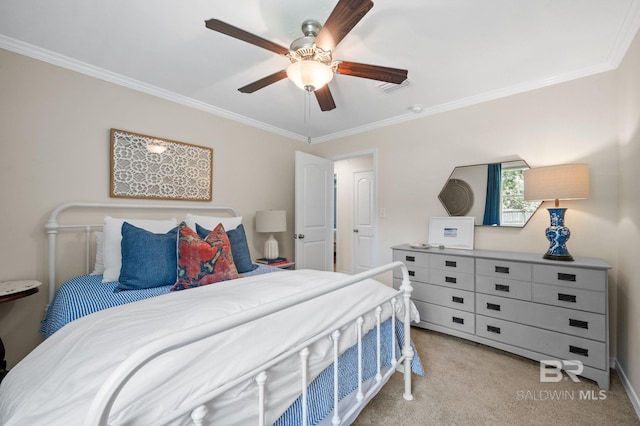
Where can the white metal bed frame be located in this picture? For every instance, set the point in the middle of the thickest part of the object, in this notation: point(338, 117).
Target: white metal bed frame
point(53, 227)
point(100, 408)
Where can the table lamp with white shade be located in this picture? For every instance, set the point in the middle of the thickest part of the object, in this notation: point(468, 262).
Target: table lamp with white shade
point(271, 221)
point(561, 182)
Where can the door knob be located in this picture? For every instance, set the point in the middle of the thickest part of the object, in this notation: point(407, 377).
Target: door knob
point(356, 231)
point(301, 236)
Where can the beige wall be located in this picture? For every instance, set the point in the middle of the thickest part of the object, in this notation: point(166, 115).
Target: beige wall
point(628, 295)
point(570, 122)
point(54, 134)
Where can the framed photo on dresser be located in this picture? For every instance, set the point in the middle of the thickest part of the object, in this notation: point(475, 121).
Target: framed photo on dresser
point(452, 232)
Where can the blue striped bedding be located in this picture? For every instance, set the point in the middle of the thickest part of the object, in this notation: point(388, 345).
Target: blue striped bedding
point(320, 391)
point(87, 294)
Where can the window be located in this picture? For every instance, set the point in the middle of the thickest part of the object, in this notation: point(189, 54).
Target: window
point(515, 211)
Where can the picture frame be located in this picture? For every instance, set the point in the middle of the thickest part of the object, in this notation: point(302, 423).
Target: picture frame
point(452, 232)
point(145, 166)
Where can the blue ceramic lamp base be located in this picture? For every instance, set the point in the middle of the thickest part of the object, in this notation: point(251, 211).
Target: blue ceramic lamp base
point(557, 234)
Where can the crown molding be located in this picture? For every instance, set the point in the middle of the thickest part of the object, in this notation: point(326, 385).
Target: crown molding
point(471, 100)
point(44, 55)
point(625, 37)
point(626, 34)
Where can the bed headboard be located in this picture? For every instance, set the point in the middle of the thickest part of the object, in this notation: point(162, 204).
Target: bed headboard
point(52, 227)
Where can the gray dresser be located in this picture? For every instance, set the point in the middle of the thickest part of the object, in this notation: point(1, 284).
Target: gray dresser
point(517, 302)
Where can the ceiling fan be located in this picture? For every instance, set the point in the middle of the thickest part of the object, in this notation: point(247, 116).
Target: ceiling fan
point(311, 65)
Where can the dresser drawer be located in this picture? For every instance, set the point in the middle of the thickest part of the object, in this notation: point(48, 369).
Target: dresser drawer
point(585, 300)
point(453, 279)
point(447, 317)
point(503, 287)
point(504, 269)
point(417, 265)
point(569, 321)
point(452, 263)
point(444, 296)
point(555, 345)
point(585, 279)
point(411, 257)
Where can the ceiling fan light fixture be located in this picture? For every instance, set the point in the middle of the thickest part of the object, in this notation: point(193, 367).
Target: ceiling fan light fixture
point(309, 75)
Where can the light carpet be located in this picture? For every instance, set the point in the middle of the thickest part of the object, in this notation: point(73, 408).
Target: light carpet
point(472, 384)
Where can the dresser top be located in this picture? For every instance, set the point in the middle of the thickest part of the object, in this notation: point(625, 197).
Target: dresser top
point(578, 262)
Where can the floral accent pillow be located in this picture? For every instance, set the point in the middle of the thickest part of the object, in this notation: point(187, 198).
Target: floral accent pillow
point(203, 261)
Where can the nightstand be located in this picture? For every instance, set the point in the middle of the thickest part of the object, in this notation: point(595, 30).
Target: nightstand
point(284, 265)
point(12, 290)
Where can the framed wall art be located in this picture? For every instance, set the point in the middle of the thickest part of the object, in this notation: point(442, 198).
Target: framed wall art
point(452, 232)
point(150, 167)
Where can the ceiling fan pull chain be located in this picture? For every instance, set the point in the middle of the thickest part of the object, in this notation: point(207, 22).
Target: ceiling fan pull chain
point(307, 114)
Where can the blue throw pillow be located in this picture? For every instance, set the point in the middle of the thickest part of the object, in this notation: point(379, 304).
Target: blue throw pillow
point(239, 247)
point(148, 259)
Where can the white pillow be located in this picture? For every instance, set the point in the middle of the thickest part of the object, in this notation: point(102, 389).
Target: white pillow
point(98, 266)
point(210, 222)
point(113, 238)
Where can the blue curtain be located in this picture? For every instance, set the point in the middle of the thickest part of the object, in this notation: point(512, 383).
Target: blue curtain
point(492, 204)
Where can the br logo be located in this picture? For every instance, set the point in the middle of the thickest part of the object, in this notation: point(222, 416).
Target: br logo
point(551, 370)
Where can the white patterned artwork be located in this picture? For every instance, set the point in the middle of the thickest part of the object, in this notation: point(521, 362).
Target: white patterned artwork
point(149, 167)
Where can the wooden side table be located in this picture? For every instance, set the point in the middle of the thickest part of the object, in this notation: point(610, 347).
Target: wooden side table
point(281, 265)
point(288, 265)
point(12, 290)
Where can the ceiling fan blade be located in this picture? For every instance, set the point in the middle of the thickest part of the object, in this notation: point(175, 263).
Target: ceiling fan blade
point(263, 82)
point(343, 18)
point(374, 72)
point(325, 99)
point(230, 30)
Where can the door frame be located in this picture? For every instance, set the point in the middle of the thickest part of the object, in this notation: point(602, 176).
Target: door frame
point(365, 153)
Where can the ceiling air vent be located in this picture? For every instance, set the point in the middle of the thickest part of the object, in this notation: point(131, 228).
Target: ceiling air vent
point(391, 87)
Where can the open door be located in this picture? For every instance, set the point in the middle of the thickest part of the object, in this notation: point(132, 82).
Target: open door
point(314, 212)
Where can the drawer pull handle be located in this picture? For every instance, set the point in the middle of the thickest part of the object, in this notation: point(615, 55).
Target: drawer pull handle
point(410, 258)
point(451, 280)
point(567, 297)
point(493, 329)
point(457, 320)
point(502, 269)
point(566, 277)
point(502, 287)
point(412, 273)
point(578, 323)
point(578, 350)
point(493, 307)
point(450, 263)
point(457, 299)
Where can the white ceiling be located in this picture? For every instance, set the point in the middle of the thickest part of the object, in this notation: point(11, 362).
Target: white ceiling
point(458, 52)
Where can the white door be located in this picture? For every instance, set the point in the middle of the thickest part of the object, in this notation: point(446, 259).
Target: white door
point(363, 220)
point(314, 212)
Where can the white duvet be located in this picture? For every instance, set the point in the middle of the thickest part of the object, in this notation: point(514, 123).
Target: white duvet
point(55, 384)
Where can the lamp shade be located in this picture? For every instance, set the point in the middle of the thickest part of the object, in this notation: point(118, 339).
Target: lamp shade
point(271, 221)
point(561, 182)
point(309, 74)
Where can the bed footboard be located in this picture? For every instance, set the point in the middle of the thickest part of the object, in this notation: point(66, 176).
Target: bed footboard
point(102, 403)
